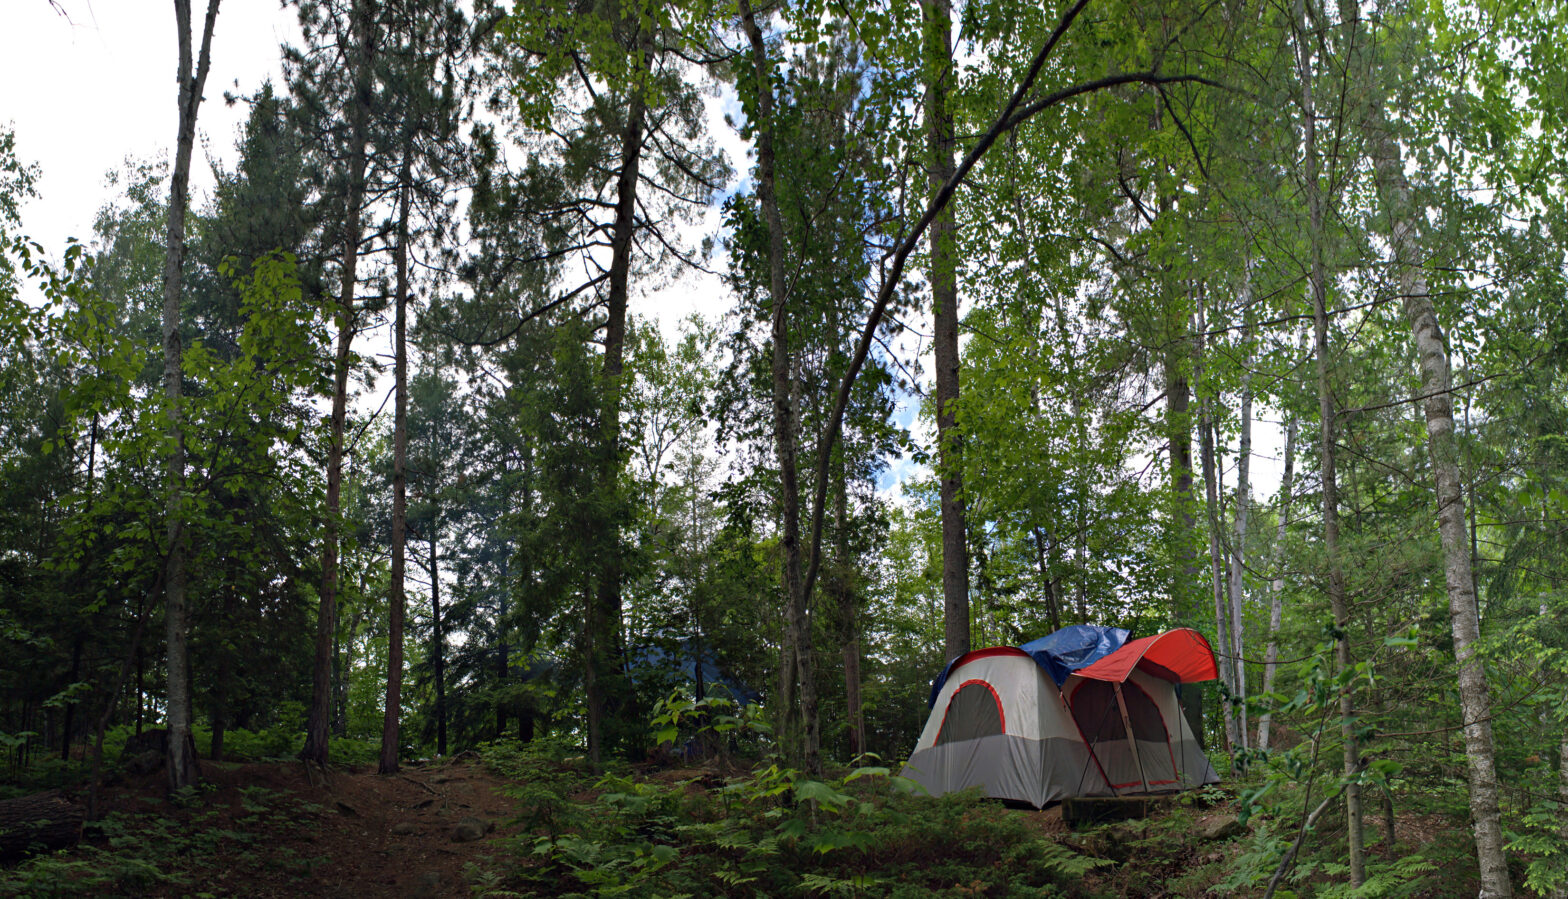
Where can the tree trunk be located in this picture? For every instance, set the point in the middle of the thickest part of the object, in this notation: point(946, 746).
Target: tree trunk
point(801, 732)
point(1050, 584)
point(222, 681)
point(1238, 555)
point(76, 646)
point(42, 820)
point(133, 656)
point(848, 608)
point(438, 638)
point(1436, 388)
point(503, 650)
point(70, 708)
point(182, 767)
point(605, 652)
point(392, 717)
point(1562, 799)
point(1178, 432)
point(1277, 585)
point(938, 55)
point(1217, 578)
point(1318, 279)
point(318, 724)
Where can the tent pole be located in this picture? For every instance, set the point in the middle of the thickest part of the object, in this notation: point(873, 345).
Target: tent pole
point(1132, 744)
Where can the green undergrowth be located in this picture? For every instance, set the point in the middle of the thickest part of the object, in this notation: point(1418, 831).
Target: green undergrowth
point(771, 832)
point(181, 848)
point(766, 830)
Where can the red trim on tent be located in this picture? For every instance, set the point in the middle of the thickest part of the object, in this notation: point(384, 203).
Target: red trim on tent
point(975, 654)
point(1182, 655)
point(1001, 714)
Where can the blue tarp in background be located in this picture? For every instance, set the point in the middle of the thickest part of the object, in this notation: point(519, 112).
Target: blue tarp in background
point(678, 664)
point(1060, 654)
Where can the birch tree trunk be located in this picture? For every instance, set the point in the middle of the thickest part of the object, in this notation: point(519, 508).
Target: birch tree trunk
point(1186, 608)
point(1437, 403)
point(318, 723)
point(192, 81)
point(1338, 601)
point(1277, 584)
point(1562, 800)
point(848, 607)
point(1238, 556)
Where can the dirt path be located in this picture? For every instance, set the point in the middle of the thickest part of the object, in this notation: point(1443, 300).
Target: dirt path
point(347, 834)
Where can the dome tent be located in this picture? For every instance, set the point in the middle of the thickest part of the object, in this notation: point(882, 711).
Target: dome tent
point(1082, 712)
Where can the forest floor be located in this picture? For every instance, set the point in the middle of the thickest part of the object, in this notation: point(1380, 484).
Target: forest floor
point(521, 824)
point(286, 829)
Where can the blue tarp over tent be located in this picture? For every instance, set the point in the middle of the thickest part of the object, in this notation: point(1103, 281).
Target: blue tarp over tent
point(1071, 648)
point(1060, 654)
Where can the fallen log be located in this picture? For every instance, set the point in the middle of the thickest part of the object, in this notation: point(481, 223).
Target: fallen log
point(40, 822)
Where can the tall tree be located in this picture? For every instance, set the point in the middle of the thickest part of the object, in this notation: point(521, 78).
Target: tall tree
point(420, 98)
point(192, 77)
point(392, 717)
point(1437, 405)
point(797, 669)
point(609, 83)
point(352, 42)
point(1317, 279)
point(940, 75)
point(1277, 578)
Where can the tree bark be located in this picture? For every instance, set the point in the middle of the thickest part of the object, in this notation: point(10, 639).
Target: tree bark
point(1277, 585)
point(1562, 799)
point(798, 669)
point(1051, 585)
point(1238, 555)
point(222, 682)
point(392, 717)
point(133, 656)
point(1178, 434)
point(438, 641)
point(318, 724)
point(605, 652)
point(938, 54)
point(1436, 388)
point(1217, 577)
point(182, 766)
point(42, 820)
point(503, 649)
point(1327, 433)
point(848, 608)
point(1338, 601)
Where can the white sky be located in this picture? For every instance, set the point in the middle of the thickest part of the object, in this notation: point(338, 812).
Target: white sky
point(86, 89)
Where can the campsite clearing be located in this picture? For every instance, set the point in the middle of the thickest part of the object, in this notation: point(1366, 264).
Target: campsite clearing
point(270, 829)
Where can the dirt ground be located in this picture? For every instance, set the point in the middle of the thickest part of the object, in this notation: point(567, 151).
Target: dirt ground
point(341, 833)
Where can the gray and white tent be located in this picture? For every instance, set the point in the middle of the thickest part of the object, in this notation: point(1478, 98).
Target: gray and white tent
point(1082, 712)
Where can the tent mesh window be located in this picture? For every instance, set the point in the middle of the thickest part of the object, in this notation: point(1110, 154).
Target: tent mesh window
point(975, 711)
point(1094, 707)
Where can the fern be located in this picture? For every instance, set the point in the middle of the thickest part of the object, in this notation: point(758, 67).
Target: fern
point(853, 885)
